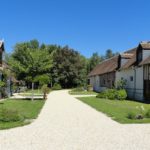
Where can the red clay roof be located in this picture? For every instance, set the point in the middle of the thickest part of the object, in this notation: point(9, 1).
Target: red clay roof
point(106, 66)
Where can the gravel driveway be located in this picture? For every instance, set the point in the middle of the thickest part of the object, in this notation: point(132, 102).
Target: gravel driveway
point(68, 124)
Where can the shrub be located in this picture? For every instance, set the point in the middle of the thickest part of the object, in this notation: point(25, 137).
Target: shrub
point(111, 94)
point(89, 88)
point(102, 95)
point(147, 115)
point(45, 91)
point(10, 115)
point(121, 94)
point(56, 86)
point(131, 115)
point(78, 89)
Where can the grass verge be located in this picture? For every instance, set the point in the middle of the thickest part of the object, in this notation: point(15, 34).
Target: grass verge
point(117, 110)
point(72, 92)
point(28, 109)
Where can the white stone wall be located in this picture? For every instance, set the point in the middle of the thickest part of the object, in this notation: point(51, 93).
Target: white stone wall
point(134, 87)
point(146, 54)
point(139, 84)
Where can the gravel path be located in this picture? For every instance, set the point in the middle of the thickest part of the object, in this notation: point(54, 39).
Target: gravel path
point(68, 124)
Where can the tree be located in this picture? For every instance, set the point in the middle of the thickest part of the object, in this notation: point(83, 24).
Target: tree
point(93, 61)
point(69, 68)
point(30, 62)
point(109, 54)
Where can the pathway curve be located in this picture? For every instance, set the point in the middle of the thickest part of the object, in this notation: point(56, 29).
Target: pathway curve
point(68, 124)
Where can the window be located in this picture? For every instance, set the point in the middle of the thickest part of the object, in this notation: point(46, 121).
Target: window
point(131, 78)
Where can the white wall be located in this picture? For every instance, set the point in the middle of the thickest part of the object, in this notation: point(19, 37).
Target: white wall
point(146, 54)
point(139, 84)
point(134, 88)
point(94, 81)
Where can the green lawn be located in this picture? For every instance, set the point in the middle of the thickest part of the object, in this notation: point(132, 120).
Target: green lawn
point(117, 110)
point(36, 91)
point(72, 92)
point(28, 109)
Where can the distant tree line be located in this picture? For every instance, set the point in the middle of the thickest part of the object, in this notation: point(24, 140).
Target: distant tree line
point(40, 64)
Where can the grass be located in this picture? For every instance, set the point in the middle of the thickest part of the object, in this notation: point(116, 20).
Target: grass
point(36, 91)
point(28, 109)
point(73, 92)
point(117, 110)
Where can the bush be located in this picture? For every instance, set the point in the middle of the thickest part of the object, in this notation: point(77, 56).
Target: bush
point(45, 91)
point(10, 115)
point(56, 86)
point(102, 95)
point(78, 89)
point(131, 115)
point(111, 94)
point(147, 115)
point(89, 88)
point(121, 94)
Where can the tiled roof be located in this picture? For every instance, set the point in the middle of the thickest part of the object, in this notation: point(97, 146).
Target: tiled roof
point(106, 66)
point(131, 60)
point(145, 45)
point(112, 64)
point(145, 61)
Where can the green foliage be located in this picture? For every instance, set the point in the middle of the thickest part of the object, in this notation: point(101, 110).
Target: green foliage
point(93, 61)
point(131, 115)
point(120, 111)
point(45, 89)
point(10, 115)
point(121, 94)
point(121, 84)
point(102, 95)
point(69, 68)
point(89, 88)
point(26, 109)
point(29, 61)
point(109, 54)
point(42, 79)
point(2, 84)
point(56, 86)
point(147, 114)
point(113, 94)
point(78, 89)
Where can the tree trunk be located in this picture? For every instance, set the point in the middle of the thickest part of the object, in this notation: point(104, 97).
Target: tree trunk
point(45, 96)
point(32, 91)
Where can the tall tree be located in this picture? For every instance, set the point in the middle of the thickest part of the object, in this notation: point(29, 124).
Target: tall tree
point(69, 67)
point(109, 54)
point(30, 62)
point(93, 61)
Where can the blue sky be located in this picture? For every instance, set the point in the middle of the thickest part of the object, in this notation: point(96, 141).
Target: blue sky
point(85, 25)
